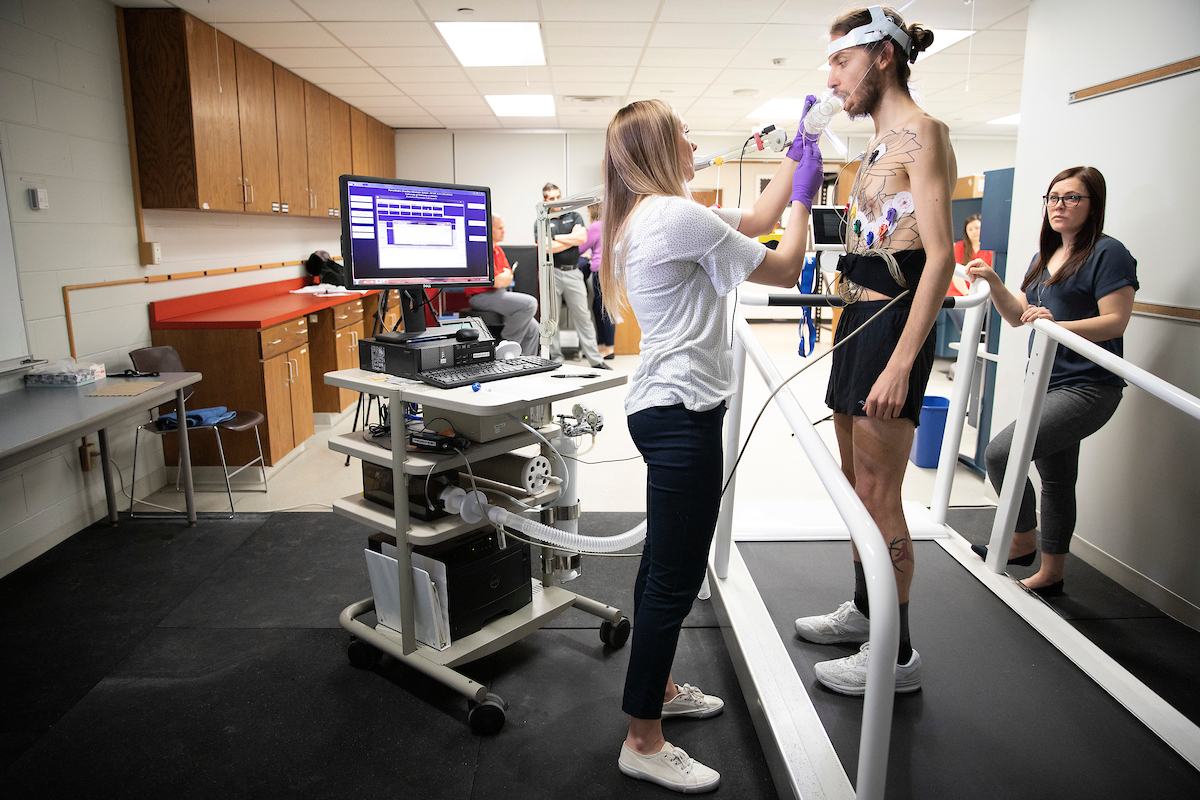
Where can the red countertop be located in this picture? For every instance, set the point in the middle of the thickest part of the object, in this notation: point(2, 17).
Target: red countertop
point(259, 306)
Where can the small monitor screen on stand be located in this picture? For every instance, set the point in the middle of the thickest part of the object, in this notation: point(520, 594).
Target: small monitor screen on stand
point(411, 235)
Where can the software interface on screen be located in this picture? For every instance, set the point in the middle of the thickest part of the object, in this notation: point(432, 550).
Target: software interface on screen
point(407, 234)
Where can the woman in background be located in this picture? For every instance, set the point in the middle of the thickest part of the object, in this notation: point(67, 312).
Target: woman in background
point(1084, 281)
point(965, 252)
point(606, 329)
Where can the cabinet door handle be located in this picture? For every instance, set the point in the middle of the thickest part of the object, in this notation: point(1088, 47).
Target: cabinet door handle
point(242, 183)
point(290, 360)
point(288, 379)
point(251, 185)
point(277, 341)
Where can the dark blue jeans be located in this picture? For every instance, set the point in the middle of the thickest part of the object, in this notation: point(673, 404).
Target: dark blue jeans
point(606, 329)
point(683, 457)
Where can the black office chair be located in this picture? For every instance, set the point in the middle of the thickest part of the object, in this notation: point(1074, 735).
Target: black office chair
point(166, 359)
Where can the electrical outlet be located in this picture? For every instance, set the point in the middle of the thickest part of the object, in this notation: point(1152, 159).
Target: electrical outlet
point(88, 455)
point(150, 253)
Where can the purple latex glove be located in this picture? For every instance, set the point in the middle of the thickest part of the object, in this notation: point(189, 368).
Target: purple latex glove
point(810, 173)
point(795, 151)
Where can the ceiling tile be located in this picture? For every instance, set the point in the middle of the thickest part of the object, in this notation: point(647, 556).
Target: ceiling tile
point(964, 99)
point(591, 89)
point(988, 82)
point(392, 103)
point(407, 56)
point(532, 123)
point(1015, 68)
point(793, 37)
point(759, 77)
point(445, 89)
point(594, 56)
point(344, 90)
point(403, 123)
point(585, 34)
point(565, 74)
point(729, 105)
point(508, 73)
point(949, 62)
point(340, 75)
point(688, 57)
point(278, 34)
point(403, 75)
point(666, 76)
point(809, 12)
point(931, 82)
point(991, 43)
point(470, 123)
point(241, 11)
point(514, 87)
point(485, 10)
point(361, 10)
point(677, 100)
point(296, 57)
point(703, 34)
point(718, 10)
point(764, 58)
point(593, 11)
point(1018, 21)
point(442, 102)
point(656, 89)
point(384, 34)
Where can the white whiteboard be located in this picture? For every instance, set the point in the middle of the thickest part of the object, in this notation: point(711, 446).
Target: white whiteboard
point(14, 340)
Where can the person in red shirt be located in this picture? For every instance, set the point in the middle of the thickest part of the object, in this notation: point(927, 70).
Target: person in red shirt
point(517, 308)
point(966, 251)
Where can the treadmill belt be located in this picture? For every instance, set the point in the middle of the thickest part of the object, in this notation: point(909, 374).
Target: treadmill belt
point(1001, 712)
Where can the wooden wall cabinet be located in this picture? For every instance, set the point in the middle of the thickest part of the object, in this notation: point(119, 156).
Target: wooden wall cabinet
point(288, 394)
point(360, 136)
point(291, 126)
point(256, 118)
point(321, 186)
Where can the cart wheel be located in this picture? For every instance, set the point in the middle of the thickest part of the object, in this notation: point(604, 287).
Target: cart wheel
point(615, 635)
point(487, 717)
point(362, 655)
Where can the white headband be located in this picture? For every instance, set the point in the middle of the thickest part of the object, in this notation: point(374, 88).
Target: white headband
point(877, 30)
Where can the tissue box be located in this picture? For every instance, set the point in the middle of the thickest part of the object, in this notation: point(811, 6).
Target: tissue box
point(81, 376)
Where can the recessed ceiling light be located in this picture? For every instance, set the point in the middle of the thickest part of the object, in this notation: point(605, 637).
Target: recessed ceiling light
point(745, 92)
point(1011, 119)
point(779, 108)
point(494, 44)
point(521, 105)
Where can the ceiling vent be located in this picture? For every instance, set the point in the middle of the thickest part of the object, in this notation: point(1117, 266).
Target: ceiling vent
point(591, 100)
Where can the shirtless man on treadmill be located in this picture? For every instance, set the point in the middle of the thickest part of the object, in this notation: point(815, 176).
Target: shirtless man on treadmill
point(900, 240)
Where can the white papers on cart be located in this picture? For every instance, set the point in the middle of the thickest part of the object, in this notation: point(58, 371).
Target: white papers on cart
point(430, 612)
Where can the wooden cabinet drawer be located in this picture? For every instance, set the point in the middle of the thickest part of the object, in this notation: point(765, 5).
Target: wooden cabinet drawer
point(347, 314)
point(281, 338)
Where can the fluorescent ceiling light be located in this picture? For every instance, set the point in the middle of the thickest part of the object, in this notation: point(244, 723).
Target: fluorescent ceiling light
point(521, 105)
point(942, 38)
point(779, 108)
point(494, 44)
point(1011, 119)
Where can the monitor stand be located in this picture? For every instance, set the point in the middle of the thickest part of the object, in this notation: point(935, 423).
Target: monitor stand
point(412, 307)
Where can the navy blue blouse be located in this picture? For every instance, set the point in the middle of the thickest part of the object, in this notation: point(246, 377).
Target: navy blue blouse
point(1110, 267)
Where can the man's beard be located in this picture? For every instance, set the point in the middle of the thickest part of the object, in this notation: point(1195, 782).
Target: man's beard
point(866, 96)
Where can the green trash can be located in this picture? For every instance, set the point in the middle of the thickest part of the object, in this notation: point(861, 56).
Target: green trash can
point(927, 443)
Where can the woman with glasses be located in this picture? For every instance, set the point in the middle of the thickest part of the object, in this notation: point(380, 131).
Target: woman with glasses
point(1084, 281)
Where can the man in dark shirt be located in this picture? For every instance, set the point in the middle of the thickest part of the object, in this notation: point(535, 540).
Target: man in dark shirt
point(567, 232)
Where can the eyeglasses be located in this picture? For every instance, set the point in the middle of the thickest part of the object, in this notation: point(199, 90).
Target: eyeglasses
point(1068, 200)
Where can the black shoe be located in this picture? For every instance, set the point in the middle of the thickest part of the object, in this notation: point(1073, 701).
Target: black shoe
point(1020, 561)
point(610, 356)
point(1053, 590)
point(601, 365)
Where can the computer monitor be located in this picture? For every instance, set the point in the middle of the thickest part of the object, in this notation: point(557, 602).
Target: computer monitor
point(412, 234)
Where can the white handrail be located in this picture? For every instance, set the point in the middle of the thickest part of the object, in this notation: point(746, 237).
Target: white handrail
point(876, 561)
point(1047, 337)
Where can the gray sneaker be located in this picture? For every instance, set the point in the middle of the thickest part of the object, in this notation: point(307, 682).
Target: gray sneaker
point(847, 624)
point(670, 767)
point(849, 675)
point(691, 702)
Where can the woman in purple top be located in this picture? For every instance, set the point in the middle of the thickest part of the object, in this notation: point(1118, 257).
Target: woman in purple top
point(605, 328)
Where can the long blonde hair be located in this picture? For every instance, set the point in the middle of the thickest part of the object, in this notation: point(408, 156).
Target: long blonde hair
point(641, 159)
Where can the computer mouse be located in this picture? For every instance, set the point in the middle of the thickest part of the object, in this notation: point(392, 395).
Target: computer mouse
point(467, 335)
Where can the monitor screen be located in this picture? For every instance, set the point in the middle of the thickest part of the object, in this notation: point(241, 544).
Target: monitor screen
point(412, 233)
point(828, 228)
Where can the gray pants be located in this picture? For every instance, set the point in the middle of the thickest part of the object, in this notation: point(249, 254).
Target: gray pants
point(568, 284)
point(518, 310)
point(1069, 415)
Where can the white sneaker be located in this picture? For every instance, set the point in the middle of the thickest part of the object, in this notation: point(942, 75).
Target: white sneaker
point(849, 675)
point(669, 767)
point(691, 702)
point(847, 624)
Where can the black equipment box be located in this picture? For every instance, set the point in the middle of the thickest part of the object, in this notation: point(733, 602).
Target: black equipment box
point(377, 487)
point(407, 359)
point(483, 581)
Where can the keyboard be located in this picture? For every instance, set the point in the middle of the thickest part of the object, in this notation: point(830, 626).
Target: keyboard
point(467, 374)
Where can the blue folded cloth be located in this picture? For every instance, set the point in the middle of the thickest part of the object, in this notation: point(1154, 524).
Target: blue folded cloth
point(195, 417)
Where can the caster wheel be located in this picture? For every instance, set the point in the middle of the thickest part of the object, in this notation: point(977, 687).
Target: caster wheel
point(362, 655)
point(487, 717)
point(615, 635)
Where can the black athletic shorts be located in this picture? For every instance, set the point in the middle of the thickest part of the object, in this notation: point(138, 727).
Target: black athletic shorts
point(859, 363)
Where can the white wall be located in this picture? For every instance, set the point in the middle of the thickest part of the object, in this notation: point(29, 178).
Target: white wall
point(62, 127)
point(1137, 490)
